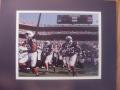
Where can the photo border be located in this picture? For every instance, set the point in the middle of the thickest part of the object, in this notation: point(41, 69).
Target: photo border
point(99, 76)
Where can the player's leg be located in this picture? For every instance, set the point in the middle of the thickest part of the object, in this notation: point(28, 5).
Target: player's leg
point(43, 58)
point(68, 63)
point(39, 59)
point(48, 61)
point(60, 60)
point(54, 61)
point(64, 62)
point(33, 63)
point(22, 67)
point(39, 55)
point(72, 63)
point(22, 63)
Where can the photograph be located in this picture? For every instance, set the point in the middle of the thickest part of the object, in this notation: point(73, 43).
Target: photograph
point(58, 45)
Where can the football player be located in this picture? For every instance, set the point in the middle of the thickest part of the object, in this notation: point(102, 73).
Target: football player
point(23, 57)
point(69, 52)
point(32, 51)
point(47, 54)
point(55, 54)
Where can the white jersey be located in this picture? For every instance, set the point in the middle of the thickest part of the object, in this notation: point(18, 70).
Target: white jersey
point(39, 54)
point(23, 56)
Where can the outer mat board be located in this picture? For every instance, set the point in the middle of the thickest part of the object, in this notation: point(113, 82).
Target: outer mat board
point(7, 44)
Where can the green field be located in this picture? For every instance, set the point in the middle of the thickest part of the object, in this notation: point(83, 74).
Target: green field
point(88, 70)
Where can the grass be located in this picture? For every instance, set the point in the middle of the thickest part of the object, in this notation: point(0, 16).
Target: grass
point(88, 70)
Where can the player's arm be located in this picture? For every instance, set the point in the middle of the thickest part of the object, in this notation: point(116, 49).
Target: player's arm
point(23, 50)
point(78, 49)
point(63, 50)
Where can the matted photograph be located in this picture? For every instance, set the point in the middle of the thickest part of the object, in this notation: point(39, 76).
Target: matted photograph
point(58, 45)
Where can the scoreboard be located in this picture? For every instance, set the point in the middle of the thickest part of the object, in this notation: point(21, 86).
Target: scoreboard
point(72, 19)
